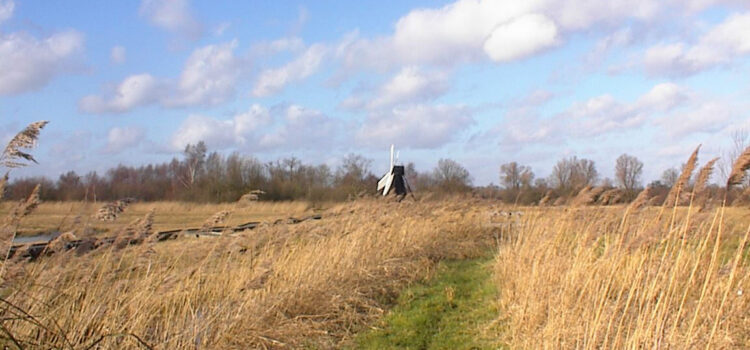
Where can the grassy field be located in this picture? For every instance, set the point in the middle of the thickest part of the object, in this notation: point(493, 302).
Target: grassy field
point(64, 216)
point(380, 274)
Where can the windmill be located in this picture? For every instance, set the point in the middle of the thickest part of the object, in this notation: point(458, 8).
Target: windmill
point(394, 180)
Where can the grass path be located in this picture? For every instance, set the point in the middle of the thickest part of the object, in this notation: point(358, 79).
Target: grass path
point(450, 311)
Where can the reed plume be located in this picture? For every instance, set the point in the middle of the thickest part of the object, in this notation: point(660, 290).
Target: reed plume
point(3, 182)
point(13, 156)
point(111, 210)
point(587, 195)
point(215, 220)
point(703, 175)
point(740, 167)
point(682, 181)
point(642, 199)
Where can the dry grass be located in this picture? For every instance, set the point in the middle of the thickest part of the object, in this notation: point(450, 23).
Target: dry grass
point(279, 286)
point(596, 278)
point(63, 216)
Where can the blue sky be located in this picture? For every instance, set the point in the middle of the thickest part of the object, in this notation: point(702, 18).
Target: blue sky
point(481, 82)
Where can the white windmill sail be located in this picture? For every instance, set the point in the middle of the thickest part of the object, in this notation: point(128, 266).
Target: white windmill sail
point(385, 183)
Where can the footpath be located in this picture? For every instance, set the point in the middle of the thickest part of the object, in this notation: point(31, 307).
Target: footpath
point(452, 310)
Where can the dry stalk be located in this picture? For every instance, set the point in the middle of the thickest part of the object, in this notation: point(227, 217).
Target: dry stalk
point(739, 169)
point(12, 156)
point(682, 181)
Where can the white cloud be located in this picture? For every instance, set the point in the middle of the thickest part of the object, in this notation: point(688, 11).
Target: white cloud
point(520, 38)
point(272, 81)
point(121, 138)
point(217, 133)
point(472, 30)
point(721, 45)
point(599, 115)
point(664, 97)
point(6, 10)
point(117, 55)
point(209, 76)
point(410, 85)
point(303, 128)
point(701, 117)
point(418, 126)
point(28, 63)
point(172, 15)
point(583, 14)
point(523, 125)
point(135, 90)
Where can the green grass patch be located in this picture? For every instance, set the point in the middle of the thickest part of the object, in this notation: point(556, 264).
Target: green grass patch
point(450, 311)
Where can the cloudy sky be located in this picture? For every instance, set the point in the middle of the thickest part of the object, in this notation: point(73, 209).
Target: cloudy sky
point(481, 82)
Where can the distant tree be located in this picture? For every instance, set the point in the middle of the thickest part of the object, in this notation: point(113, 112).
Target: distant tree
point(669, 177)
point(628, 171)
point(195, 156)
point(451, 176)
point(352, 174)
point(70, 187)
point(569, 175)
point(515, 178)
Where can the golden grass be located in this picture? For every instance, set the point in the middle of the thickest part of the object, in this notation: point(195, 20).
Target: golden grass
point(595, 278)
point(279, 286)
point(53, 216)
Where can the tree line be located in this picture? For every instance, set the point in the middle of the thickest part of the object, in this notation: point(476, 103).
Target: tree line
point(203, 176)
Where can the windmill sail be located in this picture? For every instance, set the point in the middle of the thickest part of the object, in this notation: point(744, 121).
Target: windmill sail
point(394, 179)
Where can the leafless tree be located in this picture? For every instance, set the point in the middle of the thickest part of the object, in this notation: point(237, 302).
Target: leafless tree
point(451, 176)
point(628, 171)
point(514, 176)
point(571, 174)
point(669, 177)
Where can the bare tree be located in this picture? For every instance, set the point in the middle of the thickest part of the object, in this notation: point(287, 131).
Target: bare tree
point(669, 177)
point(195, 157)
point(628, 171)
point(451, 176)
point(514, 176)
point(571, 174)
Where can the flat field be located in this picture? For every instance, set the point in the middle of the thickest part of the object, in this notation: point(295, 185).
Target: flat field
point(374, 273)
point(64, 216)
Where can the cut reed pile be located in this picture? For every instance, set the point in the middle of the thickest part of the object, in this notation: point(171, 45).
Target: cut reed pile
point(600, 279)
point(311, 284)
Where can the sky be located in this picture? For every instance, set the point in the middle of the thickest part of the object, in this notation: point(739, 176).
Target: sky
point(480, 82)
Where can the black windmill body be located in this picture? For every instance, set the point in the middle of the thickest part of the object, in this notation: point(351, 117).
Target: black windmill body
point(394, 181)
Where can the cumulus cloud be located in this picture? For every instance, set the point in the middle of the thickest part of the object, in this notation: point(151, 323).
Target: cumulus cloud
point(721, 45)
point(135, 90)
point(117, 55)
point(272, 81)
point(303, 128)
point(172, 15)
point(702, 117)
point(472, 30)
point(28, 63)
point(6, 10)
point(218, 133)
point(520, 38)
point(209, 77)
point(122, 138)
point(410, 85)
point(416, 126)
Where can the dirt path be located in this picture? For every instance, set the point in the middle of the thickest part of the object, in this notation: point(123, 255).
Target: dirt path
point(451, 311)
